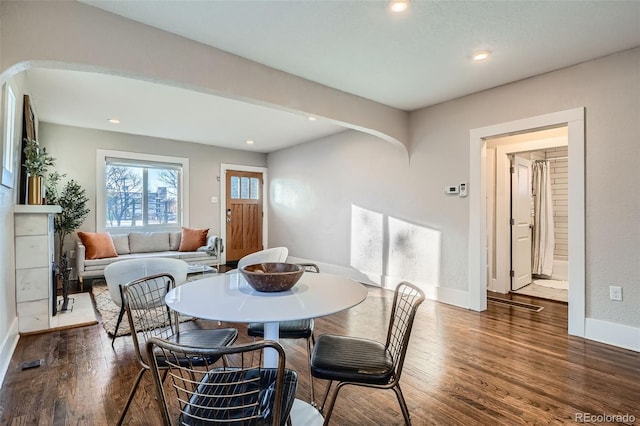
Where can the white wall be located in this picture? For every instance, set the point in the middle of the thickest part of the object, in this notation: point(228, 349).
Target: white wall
point(8, 315)
point(355, 201)
point(74, 149)
point(350, 168)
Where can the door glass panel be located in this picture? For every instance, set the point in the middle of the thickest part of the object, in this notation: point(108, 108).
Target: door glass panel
point(255, 189)
point(244, 188)
point(235, 187)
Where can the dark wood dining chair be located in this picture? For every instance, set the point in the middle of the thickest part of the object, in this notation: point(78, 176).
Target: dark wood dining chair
point(150, 317)
point(299, 329)
point(363, 362)
point(242, 394)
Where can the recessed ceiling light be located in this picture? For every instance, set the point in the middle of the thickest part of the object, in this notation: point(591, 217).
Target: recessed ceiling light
point(113, 120)
point(311, 118)
point(249, 142)
point(399, 5)
point(481, 55)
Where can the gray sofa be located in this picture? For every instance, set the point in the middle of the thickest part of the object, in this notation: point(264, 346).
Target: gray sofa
point(137, 245)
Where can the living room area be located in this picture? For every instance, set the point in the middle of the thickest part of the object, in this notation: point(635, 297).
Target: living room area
point(355, 184)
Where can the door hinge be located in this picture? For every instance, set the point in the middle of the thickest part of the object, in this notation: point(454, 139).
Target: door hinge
point(512, 221)
point(512, 169)
point(512, 274)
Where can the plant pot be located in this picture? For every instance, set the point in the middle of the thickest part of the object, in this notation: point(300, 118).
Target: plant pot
point(34, 187)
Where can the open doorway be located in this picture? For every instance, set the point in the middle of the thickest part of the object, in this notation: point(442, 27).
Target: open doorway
point(519, 234)
point(478, 261)
point(541, 264)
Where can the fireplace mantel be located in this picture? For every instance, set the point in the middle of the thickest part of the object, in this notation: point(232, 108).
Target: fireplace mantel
point(41, 209)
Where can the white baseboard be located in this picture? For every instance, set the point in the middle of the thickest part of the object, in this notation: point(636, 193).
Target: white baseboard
point(455, 297)
point(7, 347)
point(620, 335)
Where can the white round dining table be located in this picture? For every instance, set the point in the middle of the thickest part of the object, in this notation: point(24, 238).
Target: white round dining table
point(228, 297)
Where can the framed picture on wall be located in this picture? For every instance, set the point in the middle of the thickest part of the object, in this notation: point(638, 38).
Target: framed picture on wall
point(8, 117)
point(29, 126)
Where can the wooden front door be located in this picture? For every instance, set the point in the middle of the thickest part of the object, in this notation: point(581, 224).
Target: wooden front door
point(243, 214)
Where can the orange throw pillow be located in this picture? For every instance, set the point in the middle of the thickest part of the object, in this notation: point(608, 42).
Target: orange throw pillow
point(98, 245)
point(193, 239)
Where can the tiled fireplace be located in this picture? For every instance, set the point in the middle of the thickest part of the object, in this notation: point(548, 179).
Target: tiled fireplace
point(34, 256)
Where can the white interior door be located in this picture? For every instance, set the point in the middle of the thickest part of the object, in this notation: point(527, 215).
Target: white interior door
point(521, 207)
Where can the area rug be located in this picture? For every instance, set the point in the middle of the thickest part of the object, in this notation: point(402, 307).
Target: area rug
point(109, 311)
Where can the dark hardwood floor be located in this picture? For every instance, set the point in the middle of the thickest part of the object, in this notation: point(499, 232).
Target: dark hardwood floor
point(505, 366)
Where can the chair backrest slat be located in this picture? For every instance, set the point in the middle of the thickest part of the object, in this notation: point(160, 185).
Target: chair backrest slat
point(310, 267)
point(406, 299)
point(147, 312)
point(242, 392)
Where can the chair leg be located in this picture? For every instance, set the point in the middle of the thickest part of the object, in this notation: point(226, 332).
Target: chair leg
point(313, 393)
point(326, 394)
point(131, 395)
point(403, 404)
point(115, 333)
point(327, 416)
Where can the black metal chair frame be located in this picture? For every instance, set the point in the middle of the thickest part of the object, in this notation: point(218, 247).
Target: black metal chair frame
point(242, 393)
point(123, 310)
point(143, 300)
point(301, 327)
point(406, 300)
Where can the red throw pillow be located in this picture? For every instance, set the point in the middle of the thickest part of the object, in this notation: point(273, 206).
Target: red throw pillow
point(98, 245)
point(193, 239)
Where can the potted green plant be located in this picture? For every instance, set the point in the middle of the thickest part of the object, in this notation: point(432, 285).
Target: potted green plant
point(73, 201)
point(36, 163)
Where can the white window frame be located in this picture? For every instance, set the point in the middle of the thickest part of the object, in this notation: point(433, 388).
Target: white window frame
point(101, 196)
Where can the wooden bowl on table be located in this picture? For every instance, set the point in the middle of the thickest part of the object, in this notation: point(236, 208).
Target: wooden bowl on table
point(272, 277)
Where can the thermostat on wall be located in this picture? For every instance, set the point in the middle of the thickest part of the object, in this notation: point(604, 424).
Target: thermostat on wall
point(463, 189)
point(451, 189)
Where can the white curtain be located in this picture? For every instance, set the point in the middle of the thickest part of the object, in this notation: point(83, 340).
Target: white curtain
point(543, 239)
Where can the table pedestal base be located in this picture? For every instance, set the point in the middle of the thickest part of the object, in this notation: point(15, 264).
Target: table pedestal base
point(304, 414)
point(271, 332)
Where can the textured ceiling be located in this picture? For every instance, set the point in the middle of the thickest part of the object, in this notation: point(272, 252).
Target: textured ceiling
point(407, 61)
